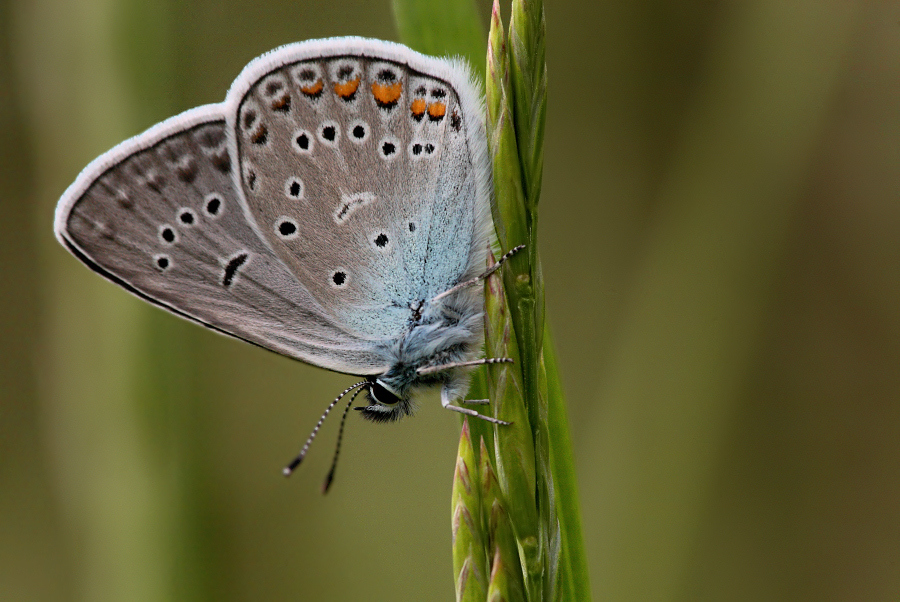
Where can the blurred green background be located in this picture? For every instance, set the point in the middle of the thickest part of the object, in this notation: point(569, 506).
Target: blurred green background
point(721, 247)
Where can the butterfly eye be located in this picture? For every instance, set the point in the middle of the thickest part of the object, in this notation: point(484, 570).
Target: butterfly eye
point(382, 395)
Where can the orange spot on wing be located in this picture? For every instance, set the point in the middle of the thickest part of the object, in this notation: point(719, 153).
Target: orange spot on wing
point(418, 107)
point(436, 110)
point(386, 94)
point(346, 90)
point(260, 134)
point(313, 89)
point(282, 103)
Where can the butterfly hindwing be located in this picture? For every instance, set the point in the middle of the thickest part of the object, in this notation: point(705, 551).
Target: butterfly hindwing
point(358, 166)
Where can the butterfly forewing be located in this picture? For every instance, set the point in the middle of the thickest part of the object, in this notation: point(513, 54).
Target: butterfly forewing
point(359, 170)
point(159, 216)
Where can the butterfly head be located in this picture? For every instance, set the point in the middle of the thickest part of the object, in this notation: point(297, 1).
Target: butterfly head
point(385, 403)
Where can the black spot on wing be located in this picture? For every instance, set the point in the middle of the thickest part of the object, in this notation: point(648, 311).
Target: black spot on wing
point(232, 267)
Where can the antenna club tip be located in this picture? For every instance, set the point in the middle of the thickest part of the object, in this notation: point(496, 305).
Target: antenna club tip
point(286, 471)
point(327, 484)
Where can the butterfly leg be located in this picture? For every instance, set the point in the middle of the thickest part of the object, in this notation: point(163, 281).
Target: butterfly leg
point(446, 402)
point(480, 277)
point(479, 362)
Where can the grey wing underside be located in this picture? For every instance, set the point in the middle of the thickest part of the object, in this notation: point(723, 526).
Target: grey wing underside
point(159, 216)
point(375, 161)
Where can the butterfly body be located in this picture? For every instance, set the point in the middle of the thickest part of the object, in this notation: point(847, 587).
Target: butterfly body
point(321, 211)
point(441, 333)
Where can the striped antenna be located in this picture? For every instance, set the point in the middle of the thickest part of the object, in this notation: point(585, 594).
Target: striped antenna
point(289, 469)
point(337, 447)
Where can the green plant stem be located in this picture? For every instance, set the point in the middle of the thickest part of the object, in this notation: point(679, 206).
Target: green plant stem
point(533, 456)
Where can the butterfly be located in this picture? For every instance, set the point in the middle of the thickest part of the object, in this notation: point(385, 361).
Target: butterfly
point(335, 208)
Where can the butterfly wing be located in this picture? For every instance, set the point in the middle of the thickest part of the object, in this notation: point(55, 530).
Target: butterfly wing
point(363, 165)
point(159, 216)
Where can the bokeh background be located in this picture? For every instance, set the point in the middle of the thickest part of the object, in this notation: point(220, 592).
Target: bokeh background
point(720, 233)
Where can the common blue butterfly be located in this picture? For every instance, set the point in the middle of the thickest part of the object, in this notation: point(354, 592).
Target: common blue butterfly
point(333, 209)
